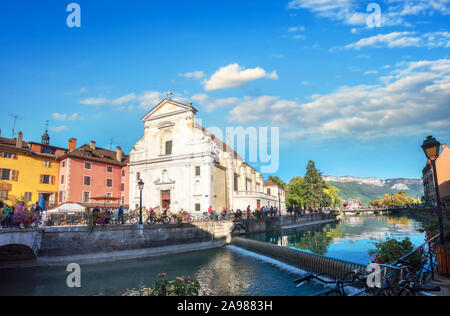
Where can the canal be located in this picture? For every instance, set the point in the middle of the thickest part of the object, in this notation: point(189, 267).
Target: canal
point(224, 271)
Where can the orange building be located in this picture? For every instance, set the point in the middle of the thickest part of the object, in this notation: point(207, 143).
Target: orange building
point(90, 172)
point(443, 175)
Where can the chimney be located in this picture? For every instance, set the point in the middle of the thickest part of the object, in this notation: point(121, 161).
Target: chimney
point(72, 144)
point(119, 154)
point(92, 145)
point(19, 140)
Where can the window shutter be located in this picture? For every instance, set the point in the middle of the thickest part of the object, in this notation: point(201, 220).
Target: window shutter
point(15, 175)
point(42, 179)
point(15, 156)
point(53, 180)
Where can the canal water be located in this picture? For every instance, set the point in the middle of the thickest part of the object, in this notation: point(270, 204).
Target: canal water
point(224, 271)
point(350, 239)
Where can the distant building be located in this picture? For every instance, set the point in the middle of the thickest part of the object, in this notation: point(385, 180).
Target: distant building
point(276, 195)
point(29, 170)
point(443, 175)
point(185, 167)
point(88, 173)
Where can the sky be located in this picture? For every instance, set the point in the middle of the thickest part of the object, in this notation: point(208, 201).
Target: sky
point(355, 91)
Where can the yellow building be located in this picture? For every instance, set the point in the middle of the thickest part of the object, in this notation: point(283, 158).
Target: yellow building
point(28, 171)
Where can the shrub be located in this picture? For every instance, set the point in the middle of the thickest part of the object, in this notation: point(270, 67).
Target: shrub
point(181, 286)
point(390, 250)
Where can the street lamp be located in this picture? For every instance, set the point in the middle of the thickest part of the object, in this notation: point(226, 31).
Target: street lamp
point(432, 148)
point(141, 187)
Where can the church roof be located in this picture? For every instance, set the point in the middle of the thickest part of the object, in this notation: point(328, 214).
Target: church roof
point(165, 101)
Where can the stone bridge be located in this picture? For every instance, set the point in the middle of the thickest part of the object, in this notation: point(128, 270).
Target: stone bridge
point(62, 245)
point(17, 244)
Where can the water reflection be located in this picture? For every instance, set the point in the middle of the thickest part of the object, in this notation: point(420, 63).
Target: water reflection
point(348, 240)
point(224, 271)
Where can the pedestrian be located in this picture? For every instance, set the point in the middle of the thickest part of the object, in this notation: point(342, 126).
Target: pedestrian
point(120, 215)
point(249, 211)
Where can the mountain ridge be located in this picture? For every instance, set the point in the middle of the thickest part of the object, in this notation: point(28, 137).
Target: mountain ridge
point(372, 188)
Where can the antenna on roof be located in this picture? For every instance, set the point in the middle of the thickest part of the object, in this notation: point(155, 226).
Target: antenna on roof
point(15, 117)
point(111, 144)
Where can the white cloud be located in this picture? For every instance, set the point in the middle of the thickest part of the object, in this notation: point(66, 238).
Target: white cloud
point(295, 29)
point(59, 129)
point(210, 104)
point(94, 101)
point(233, 76)
point(403, 39)
point(352, 12)
point(193, 75)
point(66, 117)
point(129, 98)
point(414, 101)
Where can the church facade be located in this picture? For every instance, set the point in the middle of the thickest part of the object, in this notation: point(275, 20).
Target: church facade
point(186, 168)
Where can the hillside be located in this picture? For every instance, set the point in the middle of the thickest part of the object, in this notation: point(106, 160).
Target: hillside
point(369, 189)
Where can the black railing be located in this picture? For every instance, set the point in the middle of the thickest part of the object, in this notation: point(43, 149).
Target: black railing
point(423, 259)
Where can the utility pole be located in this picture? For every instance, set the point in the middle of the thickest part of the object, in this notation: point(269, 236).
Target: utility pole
point(15, 117)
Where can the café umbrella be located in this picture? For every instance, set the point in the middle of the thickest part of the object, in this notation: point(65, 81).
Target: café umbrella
point(42, 203)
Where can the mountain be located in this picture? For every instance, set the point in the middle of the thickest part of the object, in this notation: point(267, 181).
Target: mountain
point(369, 189)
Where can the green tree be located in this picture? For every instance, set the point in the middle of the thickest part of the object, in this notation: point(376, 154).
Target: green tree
point(313, 185)
point(332, 194)
point(295, 193)
point(278, 181)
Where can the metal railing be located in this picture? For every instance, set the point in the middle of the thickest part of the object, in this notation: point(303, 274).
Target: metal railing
point(423, 258)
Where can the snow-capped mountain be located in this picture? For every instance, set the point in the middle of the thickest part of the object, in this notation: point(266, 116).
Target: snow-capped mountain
point(369, 189)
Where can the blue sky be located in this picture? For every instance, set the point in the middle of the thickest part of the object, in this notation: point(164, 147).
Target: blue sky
point(358, 100)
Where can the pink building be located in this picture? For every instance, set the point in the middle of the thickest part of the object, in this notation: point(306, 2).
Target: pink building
point(88, 172)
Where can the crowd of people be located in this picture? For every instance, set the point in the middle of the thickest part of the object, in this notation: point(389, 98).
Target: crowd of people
point(15, 216)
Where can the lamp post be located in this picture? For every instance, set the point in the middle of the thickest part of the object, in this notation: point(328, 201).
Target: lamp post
point(141, 187)
point(432, 148)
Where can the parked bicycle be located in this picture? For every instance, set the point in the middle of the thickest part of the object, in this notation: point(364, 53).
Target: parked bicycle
point(327, 279)
point(154, 219)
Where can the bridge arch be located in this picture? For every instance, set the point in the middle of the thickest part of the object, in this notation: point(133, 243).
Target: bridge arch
point(17, 244)
point(14, 253)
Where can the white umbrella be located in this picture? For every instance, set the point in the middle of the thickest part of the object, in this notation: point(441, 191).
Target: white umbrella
point(68, 208)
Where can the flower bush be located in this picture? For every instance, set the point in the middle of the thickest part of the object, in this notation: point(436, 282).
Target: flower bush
point(390, 250)
point(431, 229)
point(181, 286)
point(25, 217)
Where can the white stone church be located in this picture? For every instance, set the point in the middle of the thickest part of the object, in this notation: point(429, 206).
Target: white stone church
point(184, 167)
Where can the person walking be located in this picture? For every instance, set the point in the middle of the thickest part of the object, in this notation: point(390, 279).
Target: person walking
point(120, 215)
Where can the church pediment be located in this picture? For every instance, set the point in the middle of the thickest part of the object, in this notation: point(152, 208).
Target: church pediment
point(167, 108)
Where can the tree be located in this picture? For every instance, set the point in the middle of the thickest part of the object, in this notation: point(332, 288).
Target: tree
point(313, 185)
point(295, 194)
point(333, 194)
point(278, 181)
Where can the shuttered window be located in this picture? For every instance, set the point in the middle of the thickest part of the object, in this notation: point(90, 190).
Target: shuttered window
point(5, 174)
point(47, 179)
point(28, 196)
